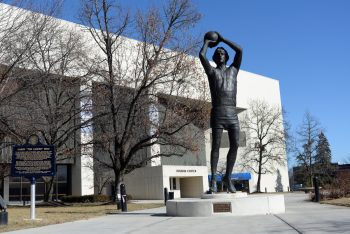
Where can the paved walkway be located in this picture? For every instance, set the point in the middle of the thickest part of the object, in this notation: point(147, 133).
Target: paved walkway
point(301, 217)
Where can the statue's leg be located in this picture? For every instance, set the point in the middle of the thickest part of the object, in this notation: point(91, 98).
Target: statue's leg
point(233, 134)
point(214, 156)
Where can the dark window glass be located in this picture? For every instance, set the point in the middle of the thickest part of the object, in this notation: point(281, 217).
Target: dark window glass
point(62, 173)
point(19, 187)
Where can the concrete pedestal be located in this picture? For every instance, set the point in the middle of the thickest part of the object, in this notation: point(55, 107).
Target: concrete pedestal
point(229, 204)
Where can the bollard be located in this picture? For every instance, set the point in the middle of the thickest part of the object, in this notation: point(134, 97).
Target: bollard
point(3, 218)
point(171, 195)
point(317, 189)
point(123, 199)
point(165, 195)
point(3, 212)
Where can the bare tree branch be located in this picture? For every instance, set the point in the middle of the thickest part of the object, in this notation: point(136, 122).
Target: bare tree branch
point(266, 139)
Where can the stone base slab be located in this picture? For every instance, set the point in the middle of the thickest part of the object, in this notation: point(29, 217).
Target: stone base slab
point(237, 206)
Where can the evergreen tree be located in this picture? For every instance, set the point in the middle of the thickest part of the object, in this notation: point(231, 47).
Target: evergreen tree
point(323, 151)
point(323, 165)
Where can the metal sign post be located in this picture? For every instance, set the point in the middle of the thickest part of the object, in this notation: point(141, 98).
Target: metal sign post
point(32, 198)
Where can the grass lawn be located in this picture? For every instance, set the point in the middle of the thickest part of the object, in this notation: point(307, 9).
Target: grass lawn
point(344, 201)
point(18, 216)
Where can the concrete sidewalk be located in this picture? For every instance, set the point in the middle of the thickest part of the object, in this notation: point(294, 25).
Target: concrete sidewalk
point(301, 217)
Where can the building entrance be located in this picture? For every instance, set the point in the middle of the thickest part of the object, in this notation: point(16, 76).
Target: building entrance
point(191, 187)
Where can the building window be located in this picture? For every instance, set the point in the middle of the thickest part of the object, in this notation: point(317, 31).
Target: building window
point(172, 183)
point(61, 181)
point(19, 187)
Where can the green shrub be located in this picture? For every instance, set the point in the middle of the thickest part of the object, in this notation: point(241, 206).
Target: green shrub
point(86, 198)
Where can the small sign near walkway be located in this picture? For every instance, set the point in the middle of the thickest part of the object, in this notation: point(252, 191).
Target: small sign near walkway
point(33, 160)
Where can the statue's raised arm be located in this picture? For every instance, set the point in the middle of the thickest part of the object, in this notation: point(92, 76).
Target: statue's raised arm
point(208, 42)
point(239, 52)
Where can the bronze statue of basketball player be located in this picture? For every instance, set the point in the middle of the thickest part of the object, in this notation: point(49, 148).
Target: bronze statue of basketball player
point(223, 89)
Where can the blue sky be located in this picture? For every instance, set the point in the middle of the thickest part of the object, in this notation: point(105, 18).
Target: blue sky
point(303, 44)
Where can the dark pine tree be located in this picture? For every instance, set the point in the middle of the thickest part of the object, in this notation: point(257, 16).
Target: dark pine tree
point(323, 160)
point(323, 151)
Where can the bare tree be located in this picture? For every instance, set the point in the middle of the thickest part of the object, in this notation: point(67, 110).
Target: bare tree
point(52, 103)
point(289, 137)
point(103, 179)
point(266, 145)
point(137, 95)
point(20, 30)
point(308, 136)
point(16, 38)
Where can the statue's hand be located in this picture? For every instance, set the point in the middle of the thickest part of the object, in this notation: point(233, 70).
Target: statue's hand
point(211, 38)
point(220, 38)
point(212, 43)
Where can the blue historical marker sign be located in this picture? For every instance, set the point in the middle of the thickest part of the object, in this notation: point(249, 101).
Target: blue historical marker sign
point(33, 160)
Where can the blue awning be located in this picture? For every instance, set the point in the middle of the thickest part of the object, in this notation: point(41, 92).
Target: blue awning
point(235, 176)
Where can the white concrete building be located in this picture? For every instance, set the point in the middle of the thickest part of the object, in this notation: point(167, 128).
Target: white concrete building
point(186, 176)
